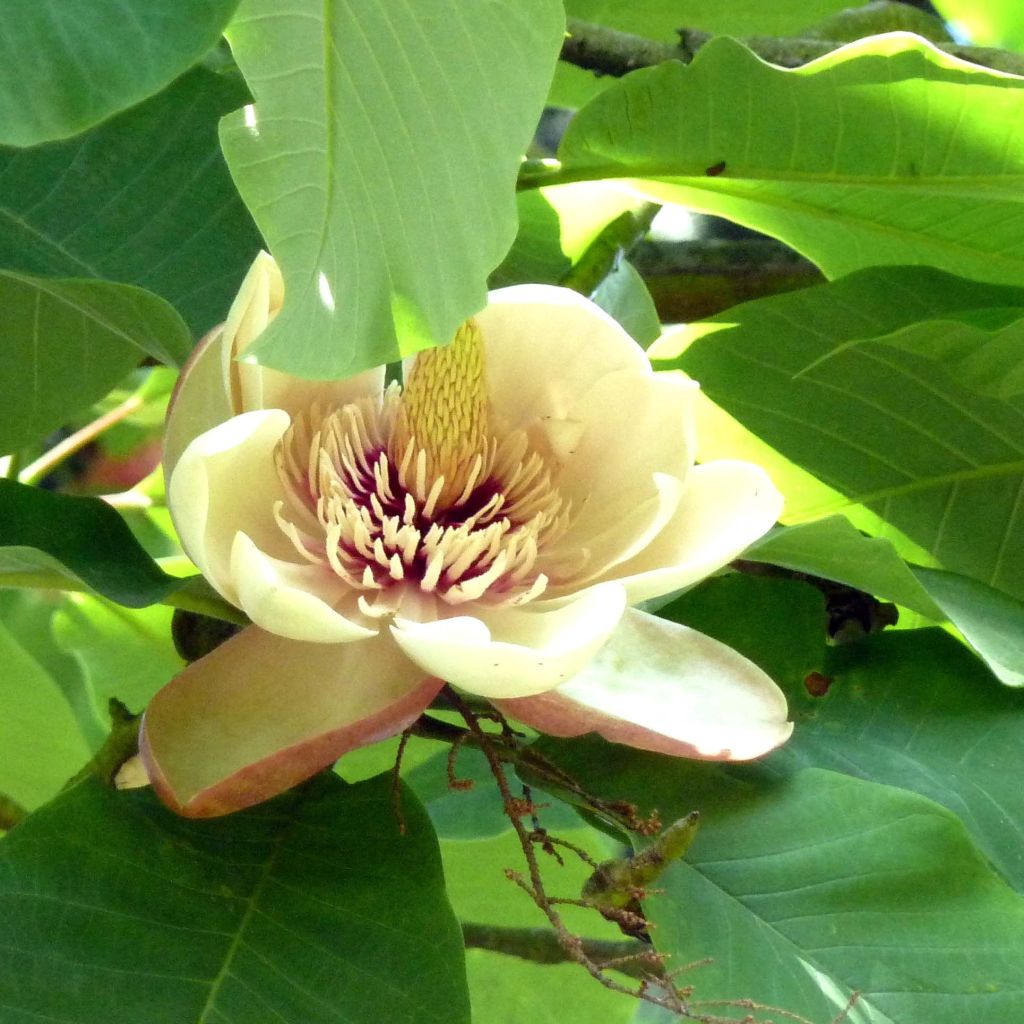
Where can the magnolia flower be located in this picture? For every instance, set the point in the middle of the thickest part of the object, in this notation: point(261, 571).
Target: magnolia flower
point(488, 524)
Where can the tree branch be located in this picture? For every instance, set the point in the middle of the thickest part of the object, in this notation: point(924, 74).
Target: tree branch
point(606, 51)
point(541, 946)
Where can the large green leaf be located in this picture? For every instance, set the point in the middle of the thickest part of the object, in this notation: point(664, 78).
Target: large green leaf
point(887, 427)
point(67, 343)
point(806, 888)
point(310, 909)
point(144, 198)
point(89, 61)
point(379, 160)
point(41, 744)
point(661, 19)
point(82, 539)
point(912, 708)
point(884, 152)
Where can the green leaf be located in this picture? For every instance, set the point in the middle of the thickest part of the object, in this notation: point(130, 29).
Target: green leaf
point(81, 539)
point(987, 22)
point(888, 428)
point(42, 746)
point(90, 61)
point(992, 622)
point(915, 709)
point(913, 157)
point(536, 256)
point(624, 295)
point(833, 549)
point(67, 343)
point(127, 654)
point(312, 908)
point(379, 160)
point(661, 19)
point(807, 888)
point(144, 199)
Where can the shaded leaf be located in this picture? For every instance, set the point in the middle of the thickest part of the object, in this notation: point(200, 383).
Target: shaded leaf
point(78, 538)
point(914, 157)
point(67, 343)
point(91, 60)
point(624, 295)
point(144, 198)
point(312, 909)
point(384, 217)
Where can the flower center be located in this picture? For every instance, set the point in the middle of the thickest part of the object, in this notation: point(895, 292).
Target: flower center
point(417, 488)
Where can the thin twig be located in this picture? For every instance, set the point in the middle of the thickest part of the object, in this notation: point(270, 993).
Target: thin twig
point(50, 460)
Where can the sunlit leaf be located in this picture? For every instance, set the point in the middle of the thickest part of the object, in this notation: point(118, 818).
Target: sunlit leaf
point(144, 198)
point(987, 22)
point(887, 427)
point(67, 343)
point(91, 60)
point(379, 159)
point(41, 744)
point(312, 909)
point(884, 152)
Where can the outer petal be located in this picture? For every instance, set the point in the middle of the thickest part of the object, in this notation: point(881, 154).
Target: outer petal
point(260, 713)
point(725, 507)
point(511, 652)
point(226, 482)
point(664, 687)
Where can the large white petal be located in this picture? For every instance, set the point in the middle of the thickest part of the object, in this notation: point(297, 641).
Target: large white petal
point(510, 652)
point(226, 482)
point(297, 601)
point(725, 507)
point(660, 686)
point(261, 713)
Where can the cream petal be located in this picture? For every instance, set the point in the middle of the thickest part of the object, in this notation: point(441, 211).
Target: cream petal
point(725, 507)
point(660, 686)
point(512, 652)
point(293, 601)
point(226, 482)
point(261, 713)
point(544, 347)
point(200, 400)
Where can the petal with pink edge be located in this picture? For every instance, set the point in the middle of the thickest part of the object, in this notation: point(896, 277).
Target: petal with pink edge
point(260, 714)
point(513, 652)
point(660, 686)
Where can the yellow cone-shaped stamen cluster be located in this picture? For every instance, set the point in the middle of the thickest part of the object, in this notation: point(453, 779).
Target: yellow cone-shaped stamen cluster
point(420, 489)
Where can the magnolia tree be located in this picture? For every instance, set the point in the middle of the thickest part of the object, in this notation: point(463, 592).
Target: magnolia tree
point(512, 512)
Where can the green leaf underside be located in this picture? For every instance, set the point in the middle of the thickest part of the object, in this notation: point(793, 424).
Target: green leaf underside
point(67, 343)
point(385, 218)
point(41, 744)
point(807, 888)
point(661, 19)
point(91, 60)
point(888, 428)
point(884, 152)
point(80, 538)
point(309, 909)
point(144, 199)
point(831, 548)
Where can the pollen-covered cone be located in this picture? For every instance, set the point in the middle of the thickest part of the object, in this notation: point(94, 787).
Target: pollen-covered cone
point(487, 524)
